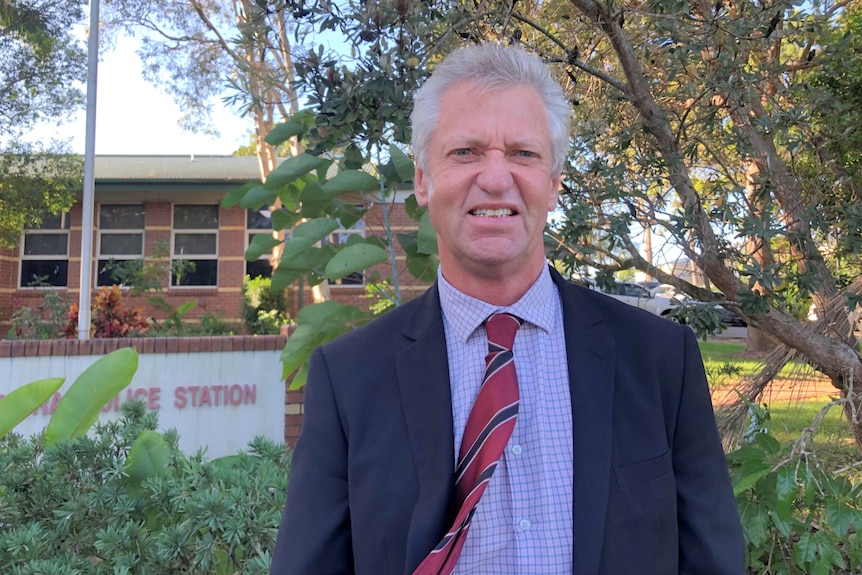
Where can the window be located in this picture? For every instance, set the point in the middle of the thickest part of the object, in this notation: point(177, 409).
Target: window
point(194, 240)
point(258, 222)
point(45, 253)
point(341, 237)
point(121, 239)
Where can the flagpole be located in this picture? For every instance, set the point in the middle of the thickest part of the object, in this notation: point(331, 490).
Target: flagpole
point(89, 176)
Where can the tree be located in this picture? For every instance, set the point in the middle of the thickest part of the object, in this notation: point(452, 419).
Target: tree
point(41, 62)
point(708, 125)
point(198, 50)
point(691, 120)
point(33, 183)
point(41, 66)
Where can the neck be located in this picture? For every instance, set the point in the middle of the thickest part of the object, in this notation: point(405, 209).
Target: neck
point(494, 288)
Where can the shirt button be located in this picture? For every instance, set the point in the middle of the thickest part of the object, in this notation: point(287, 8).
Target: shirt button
point(524, 524)
point(516, 449)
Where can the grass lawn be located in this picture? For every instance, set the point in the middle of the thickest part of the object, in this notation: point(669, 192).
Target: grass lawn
point(725, 363)
point(833, 441)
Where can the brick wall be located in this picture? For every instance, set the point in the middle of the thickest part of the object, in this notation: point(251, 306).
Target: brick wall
point(225, 300)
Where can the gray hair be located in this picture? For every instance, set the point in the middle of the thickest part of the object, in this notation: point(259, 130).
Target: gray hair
point(491, 67)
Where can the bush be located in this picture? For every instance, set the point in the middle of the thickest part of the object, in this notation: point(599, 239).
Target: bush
point(110, 316)
point(72, 508)
point(45, 321)
point(797, 517)
point(264, 310)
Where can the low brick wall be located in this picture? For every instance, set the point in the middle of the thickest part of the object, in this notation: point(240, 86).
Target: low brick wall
point(293, 409)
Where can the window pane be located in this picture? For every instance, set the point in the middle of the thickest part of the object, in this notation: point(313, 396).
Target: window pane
point(121, 244)
point(354, 279)
point(106, 273)
point(41, 272)
point(121, 217)
point(258, 220)
point(204, 274)
point(259, 268)
point(194, 244)
point(36, 244)
point(52, 222)
point(190, 217)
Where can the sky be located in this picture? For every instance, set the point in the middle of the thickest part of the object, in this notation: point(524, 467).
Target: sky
point(134, 117)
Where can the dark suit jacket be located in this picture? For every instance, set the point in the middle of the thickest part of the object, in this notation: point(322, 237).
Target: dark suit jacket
point(371, 482)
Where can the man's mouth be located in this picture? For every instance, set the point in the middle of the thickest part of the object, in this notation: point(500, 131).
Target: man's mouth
point(501, 213)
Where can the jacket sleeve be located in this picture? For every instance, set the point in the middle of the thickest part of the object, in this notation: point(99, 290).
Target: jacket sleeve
point(314, 535)
point(710, 535)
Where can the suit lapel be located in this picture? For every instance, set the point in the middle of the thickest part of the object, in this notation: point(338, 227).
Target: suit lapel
point(422, 370)
point(591, 357)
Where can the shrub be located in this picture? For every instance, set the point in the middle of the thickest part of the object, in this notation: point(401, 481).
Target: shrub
point(797, 517)
point(45, 321)
point(110, 316)
point(71, 508)
point(264, 310)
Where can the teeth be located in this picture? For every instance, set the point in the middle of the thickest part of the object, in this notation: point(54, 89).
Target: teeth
point(501, 213)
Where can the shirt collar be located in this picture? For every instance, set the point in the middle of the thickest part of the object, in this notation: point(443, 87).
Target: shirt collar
point(464, 314)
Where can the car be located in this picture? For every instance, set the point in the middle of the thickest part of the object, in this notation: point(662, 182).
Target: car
point(633, 294)
point(728, 317)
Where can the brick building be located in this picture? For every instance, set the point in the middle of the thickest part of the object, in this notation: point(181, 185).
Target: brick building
point(170, 207)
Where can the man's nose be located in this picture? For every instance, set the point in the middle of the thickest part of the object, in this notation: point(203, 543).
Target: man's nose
point(495, 175)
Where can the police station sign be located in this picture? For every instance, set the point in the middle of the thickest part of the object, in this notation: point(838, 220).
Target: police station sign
point(215, 400)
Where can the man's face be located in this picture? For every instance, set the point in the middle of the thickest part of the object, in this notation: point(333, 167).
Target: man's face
point(488, 184)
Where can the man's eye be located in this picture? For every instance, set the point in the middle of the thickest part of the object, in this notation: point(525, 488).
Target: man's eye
point(526, 154)
point(462, 152)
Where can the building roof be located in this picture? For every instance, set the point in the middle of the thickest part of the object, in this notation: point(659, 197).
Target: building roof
point(176, 168)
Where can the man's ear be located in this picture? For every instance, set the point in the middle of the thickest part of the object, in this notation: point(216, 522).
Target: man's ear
point(420, 187)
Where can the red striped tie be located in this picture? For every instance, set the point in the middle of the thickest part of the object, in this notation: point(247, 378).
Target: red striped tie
point(488, 429)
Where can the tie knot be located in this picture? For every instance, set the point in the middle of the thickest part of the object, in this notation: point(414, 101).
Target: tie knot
point(501, 328)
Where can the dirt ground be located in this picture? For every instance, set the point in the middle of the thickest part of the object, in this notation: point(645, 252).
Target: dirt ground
point(783, 391)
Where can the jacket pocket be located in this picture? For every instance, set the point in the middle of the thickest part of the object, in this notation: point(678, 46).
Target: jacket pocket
point(643, 471)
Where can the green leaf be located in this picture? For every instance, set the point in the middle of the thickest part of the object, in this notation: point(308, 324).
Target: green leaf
point(149, 456)
point(305, 235)
point(314, 200)
point(750, 473)
point(839, 515)
point(257, 197)
point(427, 238)
point(297, 125)
point(282, 219)
point(403, 164)
point(23, 401)
point(95, 387)
point(755, 523)
point(260, 244)
point(354, 258)
point(234, 196)
point(316, 324)
point(768, 443)
point(351, 181)
point(785, 492)
point(413, 209)
point(291, 169)
point(805, 551)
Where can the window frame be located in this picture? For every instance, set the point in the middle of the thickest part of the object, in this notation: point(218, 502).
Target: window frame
point(64, 229)
point(194, 257)
point(102, 231)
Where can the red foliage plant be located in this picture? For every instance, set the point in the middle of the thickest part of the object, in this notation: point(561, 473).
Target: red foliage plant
point(110, 317)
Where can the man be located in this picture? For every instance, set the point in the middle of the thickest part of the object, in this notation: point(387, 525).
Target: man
point(613, 466)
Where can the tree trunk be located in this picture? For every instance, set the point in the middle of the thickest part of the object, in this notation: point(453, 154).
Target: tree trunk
point(757, 342)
